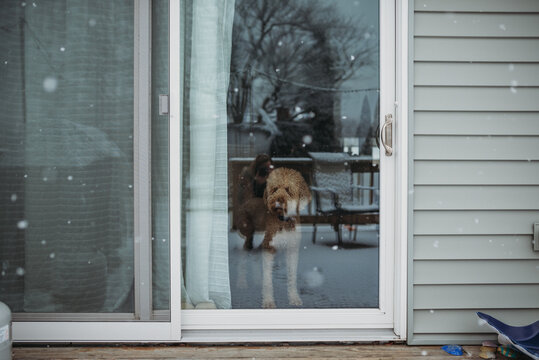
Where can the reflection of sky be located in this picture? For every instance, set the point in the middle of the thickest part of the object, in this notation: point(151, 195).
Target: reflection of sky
point(366, 12)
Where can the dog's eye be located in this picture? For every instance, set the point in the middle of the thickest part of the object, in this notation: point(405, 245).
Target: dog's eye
point(273, 190)
point(287, 190)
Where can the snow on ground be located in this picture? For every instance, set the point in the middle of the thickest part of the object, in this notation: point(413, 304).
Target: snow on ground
point(328, 277)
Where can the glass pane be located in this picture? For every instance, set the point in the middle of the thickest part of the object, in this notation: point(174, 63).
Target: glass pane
point(66, 156)
point(281, 165)
point(160, 208)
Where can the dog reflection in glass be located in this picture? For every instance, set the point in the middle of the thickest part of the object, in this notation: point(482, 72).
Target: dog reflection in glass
point(277, 214)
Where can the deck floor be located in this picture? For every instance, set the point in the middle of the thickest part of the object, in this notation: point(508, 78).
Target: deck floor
point(371, 352)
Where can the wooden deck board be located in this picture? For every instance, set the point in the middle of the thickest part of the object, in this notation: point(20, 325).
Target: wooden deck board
point(371, 352)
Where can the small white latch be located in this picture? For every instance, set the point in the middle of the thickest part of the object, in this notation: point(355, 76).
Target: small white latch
point(163, 104)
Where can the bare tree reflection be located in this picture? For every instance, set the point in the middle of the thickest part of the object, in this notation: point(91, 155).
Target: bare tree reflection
point(289, 61)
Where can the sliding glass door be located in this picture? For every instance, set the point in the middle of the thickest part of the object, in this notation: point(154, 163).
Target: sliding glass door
point(84, 159)
point(286, 200)
point(209, 166)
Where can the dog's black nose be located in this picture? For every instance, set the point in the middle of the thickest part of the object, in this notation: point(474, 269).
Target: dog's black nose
point(285, 218)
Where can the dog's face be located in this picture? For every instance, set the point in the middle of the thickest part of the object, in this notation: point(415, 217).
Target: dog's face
point(286, 192)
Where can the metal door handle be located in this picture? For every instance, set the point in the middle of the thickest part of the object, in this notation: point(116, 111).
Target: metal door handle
point(386, 135)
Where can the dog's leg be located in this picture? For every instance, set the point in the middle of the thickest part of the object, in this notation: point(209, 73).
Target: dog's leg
point(248, 244)
point(268, 301)
point(268, 237)
point(292, 257)
point(248, 230)
point(241, 281)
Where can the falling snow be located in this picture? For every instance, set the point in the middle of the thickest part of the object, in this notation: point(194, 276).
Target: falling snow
point(50, 83)
point(23, 224)
point(314, 278)
point(307, 139)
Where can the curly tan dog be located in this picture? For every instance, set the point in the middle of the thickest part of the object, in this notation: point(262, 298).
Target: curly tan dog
point(277, 213)
point(287, 187)
point(285, 195)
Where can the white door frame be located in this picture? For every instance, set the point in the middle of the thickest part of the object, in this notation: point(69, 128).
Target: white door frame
point(388, 323)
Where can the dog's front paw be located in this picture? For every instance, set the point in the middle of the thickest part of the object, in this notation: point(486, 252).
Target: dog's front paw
point(268, 304)
point(268, 248)
point(294, 300)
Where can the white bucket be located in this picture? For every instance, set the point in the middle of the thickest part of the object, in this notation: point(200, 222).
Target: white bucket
point(5, 332)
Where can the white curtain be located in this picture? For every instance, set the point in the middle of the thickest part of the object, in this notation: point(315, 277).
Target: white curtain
point(207, 283)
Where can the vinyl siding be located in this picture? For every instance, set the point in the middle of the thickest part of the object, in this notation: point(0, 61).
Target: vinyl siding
point(475, 162)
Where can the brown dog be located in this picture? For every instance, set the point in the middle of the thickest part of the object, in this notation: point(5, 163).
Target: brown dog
point(277, 213)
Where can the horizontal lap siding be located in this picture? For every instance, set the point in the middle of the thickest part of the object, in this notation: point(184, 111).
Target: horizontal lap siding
point(478, 247)
point(442, 321)
point(476, 172)
point(476, 123)
point(476, 148)
point(476, 74)
point(476, 49)
point(476, 222)
point(436, 98)
point(460, 272)
point(476, 167)
point(476, 296)
point(472, 197)
point(477, 6)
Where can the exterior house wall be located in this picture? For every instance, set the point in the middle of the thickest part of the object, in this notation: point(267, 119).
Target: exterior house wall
point(475, 163)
